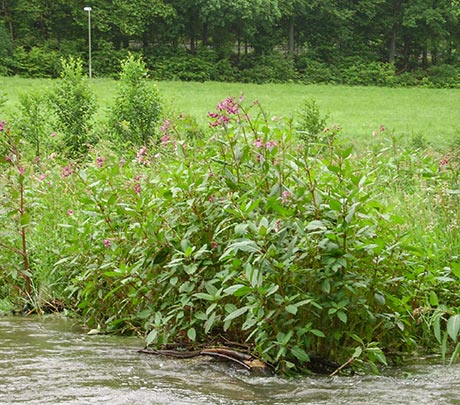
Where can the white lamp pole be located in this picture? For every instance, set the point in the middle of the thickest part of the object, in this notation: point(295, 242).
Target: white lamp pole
point(88, 9)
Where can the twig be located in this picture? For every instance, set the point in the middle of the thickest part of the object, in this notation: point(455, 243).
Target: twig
point(347, 363)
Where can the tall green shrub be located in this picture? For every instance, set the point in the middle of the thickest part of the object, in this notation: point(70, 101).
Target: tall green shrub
point(134, 117)
point(74, 106)
point(32, 120)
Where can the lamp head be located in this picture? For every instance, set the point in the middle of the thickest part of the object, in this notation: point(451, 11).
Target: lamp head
point(87, 9)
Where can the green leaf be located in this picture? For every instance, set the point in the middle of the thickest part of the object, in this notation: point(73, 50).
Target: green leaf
point(300, 354)
point(25, 219)
point(316, 226)
point(151, 337)
point(437, 329)
point(292, 309)
point(209, 323)
point(191, 333)
point(433, 299)
point(453, 326)
point(357, 352)
point(342, 316)
point(318, 333)
point(456, 269)
point(236, 314)
point(204, 296)
point(232, 289)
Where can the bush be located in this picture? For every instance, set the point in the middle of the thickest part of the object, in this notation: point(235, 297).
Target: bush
point(445, 76)
point(247, 234)
point(368, 73)
point(272, 68)
point(310, 122)
point(36, 62)
point(106, 59)
point(183, 67)
point(6, 51)
point(137, 109)
point(33, 120)
point(312, 71)
point(74, 105)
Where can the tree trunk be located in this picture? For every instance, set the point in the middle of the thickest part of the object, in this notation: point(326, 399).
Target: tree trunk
point(394, 30)
point(392, 53)
point(291, 38)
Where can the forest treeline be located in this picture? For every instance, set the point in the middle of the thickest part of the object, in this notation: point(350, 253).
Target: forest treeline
point(380, 42)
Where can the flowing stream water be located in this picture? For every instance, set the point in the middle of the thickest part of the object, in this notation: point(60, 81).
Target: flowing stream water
point(53, 361)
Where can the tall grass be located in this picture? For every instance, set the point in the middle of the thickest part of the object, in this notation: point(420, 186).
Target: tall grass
point(430, 114)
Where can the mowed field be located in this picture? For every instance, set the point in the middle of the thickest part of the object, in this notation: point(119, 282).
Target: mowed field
point(433, 114)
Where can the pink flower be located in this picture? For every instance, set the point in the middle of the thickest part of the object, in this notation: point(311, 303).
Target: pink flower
point(53, 134)
point(278, 225)
point(66, 171)
point(285, 197)
point(444, 161)
point(137, 188)
point(52, 156)
point(258, 143)
point(21, 170)
point(7, 158)
point(42, 177)
point(2, 125)
point(214, 244)
point(165, 126)
point(270, 144)
point(100, 161)
point(107, 243)
point(164, 140)
point(69, 212)
point(229, 105)
point(140, 154)
point(211, 198)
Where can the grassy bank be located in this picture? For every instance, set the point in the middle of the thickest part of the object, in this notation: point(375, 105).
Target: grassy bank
point(414, 112)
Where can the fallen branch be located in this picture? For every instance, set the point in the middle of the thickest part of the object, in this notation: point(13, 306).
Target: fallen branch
point(244, 360)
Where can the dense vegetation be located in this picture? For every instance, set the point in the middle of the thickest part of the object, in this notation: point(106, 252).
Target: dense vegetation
point(379, 42)
point(270, 232)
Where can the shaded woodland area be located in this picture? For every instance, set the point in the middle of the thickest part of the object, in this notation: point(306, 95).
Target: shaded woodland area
point(325, 41)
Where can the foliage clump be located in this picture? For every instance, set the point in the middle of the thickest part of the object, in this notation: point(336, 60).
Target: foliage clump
point(74, 105)
point(137, 108)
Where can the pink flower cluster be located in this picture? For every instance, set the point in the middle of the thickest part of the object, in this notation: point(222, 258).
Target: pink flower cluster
point(165, 127)
point(445, 161)
point(258, 143)
point(100, 161)
point(285, 197)
point(141, 155)
point(2, 125)
point(225, 108)
point(137, 184)
point(66, 171)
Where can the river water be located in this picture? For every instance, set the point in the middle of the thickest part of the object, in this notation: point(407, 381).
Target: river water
point(53, 361)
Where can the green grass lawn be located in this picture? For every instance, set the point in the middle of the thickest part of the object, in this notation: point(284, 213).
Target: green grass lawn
point(431, 113)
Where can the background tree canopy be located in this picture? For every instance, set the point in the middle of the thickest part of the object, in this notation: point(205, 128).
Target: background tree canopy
point(236, 39)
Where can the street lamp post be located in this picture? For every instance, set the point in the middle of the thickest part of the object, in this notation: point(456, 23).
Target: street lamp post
point(88, 9)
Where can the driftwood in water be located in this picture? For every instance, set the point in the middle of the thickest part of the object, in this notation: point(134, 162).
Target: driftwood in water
point(244, 360)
